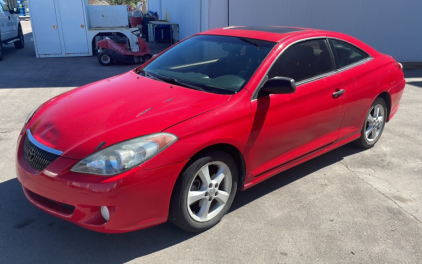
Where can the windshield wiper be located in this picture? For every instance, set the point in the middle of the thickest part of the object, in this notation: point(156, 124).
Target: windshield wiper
point(176, 81)
point(250, 42)
point(149, 75)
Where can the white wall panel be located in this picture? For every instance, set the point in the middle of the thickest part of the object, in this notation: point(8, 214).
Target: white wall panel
point(218, 13)
point(103, 16)
point(184, 12)
point(390, 26)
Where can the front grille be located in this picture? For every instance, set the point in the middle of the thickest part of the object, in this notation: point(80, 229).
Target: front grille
point(36, 157)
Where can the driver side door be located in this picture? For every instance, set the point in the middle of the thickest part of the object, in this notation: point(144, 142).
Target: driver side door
point(6, 22)
point(289, 126)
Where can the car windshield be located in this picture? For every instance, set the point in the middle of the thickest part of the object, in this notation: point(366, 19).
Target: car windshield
point(217, 64)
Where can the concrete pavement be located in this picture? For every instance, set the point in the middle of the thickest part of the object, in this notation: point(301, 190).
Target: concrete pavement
point(347, 206)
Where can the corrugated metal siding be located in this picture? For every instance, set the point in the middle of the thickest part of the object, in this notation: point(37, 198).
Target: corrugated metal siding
point(390, 26)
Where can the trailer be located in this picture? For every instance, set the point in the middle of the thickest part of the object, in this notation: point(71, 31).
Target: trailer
point(63, 28)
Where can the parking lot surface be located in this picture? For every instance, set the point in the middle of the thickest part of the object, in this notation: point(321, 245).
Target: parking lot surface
point(347, 206)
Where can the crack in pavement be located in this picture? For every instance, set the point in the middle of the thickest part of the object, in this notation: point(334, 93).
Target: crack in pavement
point(356, 174)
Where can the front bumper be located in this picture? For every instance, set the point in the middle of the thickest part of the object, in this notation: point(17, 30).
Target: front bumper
point(137, 199)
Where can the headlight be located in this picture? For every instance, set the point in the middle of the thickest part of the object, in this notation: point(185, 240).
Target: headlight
point(125, 155)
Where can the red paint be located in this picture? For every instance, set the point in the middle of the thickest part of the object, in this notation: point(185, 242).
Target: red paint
point(272, 133)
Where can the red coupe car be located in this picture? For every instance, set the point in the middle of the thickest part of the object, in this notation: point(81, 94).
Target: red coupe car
point(221, 111)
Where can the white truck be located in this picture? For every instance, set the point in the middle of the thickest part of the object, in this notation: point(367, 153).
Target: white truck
point(10, 27)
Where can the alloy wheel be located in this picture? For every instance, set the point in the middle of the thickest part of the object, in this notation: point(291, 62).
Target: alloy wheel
point(374, 123)
point(209, 191)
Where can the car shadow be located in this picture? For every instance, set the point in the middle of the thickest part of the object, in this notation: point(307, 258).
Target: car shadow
point(28, 235)
point(417, 84)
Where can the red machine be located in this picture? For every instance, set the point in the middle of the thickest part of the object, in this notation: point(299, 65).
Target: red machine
point(117, 49)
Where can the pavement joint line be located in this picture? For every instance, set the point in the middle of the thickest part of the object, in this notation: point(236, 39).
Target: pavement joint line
point(356, 174)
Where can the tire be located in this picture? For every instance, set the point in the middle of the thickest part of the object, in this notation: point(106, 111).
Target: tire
point(374, 124)
point(208, 202)
point(21, 43)
point(147, 57)
point(105, 59)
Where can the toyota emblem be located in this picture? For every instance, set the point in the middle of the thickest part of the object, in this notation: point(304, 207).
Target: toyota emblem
point(31, 154)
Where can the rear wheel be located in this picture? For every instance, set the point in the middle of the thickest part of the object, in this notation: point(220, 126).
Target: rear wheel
point(21, 43)
point(204, 192)
point(105, 59)
point(374, 124)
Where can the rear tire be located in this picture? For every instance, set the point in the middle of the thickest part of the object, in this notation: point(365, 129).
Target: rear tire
point(105, 59)
point(374, 124)
point(204, 192)
point(21, 43)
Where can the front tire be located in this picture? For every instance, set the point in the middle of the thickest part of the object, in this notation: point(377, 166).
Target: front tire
point(146, 57)
point(21, 43)
point(204, 192)
point(105, 59)
point(374, 124)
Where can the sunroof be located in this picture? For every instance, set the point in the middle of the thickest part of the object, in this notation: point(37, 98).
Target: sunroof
point(271, 29)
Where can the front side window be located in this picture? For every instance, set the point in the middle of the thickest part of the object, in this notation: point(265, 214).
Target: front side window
point(303, 60)
point(217, 64)
point(346, 54)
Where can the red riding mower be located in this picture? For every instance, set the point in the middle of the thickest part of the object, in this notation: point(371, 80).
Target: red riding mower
point(117, 49)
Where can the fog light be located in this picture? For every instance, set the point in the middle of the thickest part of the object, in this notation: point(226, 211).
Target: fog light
point(105, 213)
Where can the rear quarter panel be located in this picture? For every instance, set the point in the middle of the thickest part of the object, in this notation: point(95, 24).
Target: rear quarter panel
point(364, 83)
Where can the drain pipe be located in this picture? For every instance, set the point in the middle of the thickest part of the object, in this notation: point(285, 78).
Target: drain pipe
point(228, 13)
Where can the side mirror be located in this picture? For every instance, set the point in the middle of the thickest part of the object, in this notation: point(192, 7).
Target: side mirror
point(16, 10)
point(279, 85)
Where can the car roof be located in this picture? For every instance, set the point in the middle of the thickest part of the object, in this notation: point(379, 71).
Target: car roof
point(268, 33)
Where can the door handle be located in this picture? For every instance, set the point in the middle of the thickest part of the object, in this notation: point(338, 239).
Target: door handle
point(338, 93)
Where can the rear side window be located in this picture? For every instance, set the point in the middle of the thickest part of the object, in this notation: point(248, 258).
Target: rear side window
point(303, 60)
point(345, 53)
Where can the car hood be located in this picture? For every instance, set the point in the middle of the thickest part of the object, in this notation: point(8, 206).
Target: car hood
point(83, 120)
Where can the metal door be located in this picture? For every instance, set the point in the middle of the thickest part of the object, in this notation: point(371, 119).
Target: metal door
point(3, 21)
point(7, 22)
point(44, 21)
point(73, 26)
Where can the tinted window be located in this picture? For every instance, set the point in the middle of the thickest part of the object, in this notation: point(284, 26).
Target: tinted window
point(215, 63)
point(303, 61)
point(346, 54)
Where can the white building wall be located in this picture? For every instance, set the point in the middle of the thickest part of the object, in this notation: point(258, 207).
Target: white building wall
point(390, 26)
point(184, 12)
point(193, 16)
point(218, 14)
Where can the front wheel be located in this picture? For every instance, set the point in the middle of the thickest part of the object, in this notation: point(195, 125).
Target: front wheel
point(147, 57)
point(204, 192)
point(20, 44)
point(105, 59)
point(373, 126)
